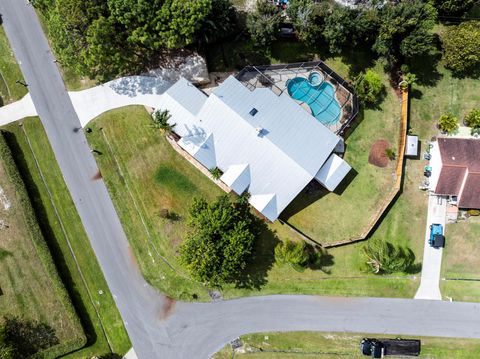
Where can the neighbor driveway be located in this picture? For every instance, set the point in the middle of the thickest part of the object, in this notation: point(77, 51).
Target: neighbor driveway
point(432, 257)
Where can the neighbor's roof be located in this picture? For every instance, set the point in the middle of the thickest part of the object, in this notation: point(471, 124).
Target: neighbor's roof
point(283, 146)
point(460, 174)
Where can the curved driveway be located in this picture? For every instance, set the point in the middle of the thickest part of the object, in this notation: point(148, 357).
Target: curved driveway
point(158, 327)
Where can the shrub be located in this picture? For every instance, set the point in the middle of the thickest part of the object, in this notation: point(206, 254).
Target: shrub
point(473, 212)
point(160, 121)
point(448, 123)
point(369, 87)
point(263, 23)
point(462, 47)
point(293, 253)
point(216, 173)
point(382, 257)
point(472, 119)
point(390, 153)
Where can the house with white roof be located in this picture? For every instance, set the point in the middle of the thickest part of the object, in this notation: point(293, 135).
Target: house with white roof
point(264, 143)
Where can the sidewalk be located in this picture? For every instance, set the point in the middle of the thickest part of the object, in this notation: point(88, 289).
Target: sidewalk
point(432, 257)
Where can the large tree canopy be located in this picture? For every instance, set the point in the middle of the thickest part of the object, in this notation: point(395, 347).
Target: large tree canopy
point(405, 30)
point(453, 7)
point(462, 48)
point(113, 37)
point(220, 240)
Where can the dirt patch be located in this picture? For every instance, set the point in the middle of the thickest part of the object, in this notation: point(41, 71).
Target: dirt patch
point(377, 155)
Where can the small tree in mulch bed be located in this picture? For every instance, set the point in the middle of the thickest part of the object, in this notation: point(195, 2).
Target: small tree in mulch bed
point(390, 153)
point(160, 121)
point(216, 172)
point(448, 123)
point(472, 119)
point(377, 156)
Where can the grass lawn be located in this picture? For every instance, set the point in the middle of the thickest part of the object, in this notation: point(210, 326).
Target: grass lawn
point(460, 260)
point(137, 162)
point(57, 240)
point(339, 345)
point(9, 73)
point(30, 286)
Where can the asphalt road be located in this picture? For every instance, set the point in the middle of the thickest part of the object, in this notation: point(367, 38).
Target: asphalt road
point(158, 327)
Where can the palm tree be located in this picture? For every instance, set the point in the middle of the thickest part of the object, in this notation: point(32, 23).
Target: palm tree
point(160, 121)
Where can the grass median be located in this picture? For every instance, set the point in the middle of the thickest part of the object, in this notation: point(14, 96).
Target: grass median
point(67, 240)
point(339, 345)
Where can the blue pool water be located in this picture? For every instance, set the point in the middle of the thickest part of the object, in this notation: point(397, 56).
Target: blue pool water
point(320, 97)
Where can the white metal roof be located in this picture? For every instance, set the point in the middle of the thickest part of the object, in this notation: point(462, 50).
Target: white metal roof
point(283, 146)
point(237, 177)
point(333, 172)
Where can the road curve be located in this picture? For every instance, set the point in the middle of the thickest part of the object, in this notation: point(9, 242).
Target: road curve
point(161, 328)
point(138, 303)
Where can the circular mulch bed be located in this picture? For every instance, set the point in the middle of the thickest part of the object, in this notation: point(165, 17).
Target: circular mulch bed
point(377, 155)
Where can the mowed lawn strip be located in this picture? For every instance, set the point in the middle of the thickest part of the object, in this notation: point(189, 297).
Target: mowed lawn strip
point(341, 345)
point(145, 175)
point(139, 165)
point(9, 73)
point(113, 325)
point(30, 286)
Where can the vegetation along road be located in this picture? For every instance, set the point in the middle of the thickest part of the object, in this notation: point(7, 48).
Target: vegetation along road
point(160, 327)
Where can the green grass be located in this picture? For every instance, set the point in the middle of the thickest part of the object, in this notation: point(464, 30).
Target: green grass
point(30, 286)
point(133, 155)
point(340, 345)
point(9, 73)
point(460, 260)
point(170, 179)
point(57, 241)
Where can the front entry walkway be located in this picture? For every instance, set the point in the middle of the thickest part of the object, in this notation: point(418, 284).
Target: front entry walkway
point(432, 257)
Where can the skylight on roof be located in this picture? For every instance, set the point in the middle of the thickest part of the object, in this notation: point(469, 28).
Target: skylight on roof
point(253, 111)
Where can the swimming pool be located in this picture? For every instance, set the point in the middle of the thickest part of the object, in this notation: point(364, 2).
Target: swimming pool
point(318, 94)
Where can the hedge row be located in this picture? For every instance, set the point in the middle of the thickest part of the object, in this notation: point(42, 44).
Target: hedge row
point(44, 255)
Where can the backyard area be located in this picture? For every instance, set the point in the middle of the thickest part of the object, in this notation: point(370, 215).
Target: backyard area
point(62, 228)
point(339, 345)
point(31, 290)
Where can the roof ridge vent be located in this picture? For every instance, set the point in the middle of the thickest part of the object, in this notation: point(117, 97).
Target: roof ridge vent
point(259, 131)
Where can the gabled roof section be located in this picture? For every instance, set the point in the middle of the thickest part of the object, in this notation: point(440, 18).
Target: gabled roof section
point(282, 122)
point(471, 192)
point(186, 94)
point(237, 177)
point(333, 172)
point(202, 147)
point(463, 152)
point(266, 204)
point(450, 180)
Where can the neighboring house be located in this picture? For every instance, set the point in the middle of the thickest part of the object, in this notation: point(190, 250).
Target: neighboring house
point(459, 175)
point(264, 143)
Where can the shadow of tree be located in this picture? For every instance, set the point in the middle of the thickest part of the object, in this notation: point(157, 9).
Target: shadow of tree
point(28, 337)
point(255, 275)
point(426, 67)
point(4, 253)
point(110, 356)
point(320, 259)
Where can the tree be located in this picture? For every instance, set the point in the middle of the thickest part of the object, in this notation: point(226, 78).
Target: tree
point(219, 241)
point(461, 46)
point(160, 121)
point(219, 23)
point(369, 87)
point(448, 123)
point(293, 253)
point(308, 18)
point(472, 119)
point(405, 31)
point(390, 153)
point(453, 7)
point(264, 23)
point(6, 350)
point(382, 257)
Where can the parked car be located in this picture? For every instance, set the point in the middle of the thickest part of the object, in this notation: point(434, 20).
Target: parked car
point(437, 239)
point(379, 348)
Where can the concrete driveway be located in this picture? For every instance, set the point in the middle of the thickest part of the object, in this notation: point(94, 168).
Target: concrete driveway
point(432, 257)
